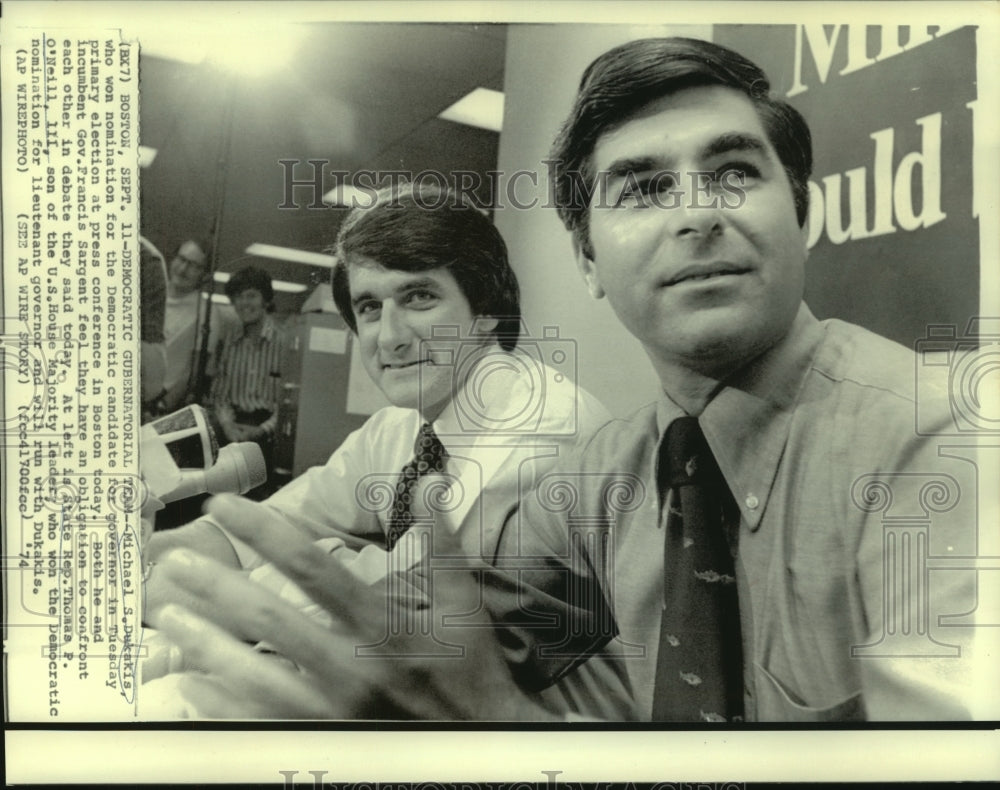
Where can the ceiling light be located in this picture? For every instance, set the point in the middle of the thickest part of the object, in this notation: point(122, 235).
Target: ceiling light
point(350, 196)
point(482, 108)
point(291, 254)
point(172, 42)
point(254, 51)
point(146, 155)
point(250, 49)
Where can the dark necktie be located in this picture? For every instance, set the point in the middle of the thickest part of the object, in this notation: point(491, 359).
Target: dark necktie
point(699, 668)
point(429, 456)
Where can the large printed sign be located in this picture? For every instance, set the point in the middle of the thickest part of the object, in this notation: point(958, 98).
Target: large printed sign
point(893, 220)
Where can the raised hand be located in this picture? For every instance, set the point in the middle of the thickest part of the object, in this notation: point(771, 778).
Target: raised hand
point(328, 672)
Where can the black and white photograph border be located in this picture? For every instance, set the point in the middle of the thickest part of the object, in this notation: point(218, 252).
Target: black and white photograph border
point(956, 315)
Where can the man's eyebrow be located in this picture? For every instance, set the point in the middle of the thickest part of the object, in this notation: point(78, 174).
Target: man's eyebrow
point(733, 142)
point(364, 296)
point(415, 284)
point(620, 168)
point(725, 143)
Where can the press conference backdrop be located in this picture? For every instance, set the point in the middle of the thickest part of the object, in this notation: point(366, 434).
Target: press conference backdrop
point(894, 230)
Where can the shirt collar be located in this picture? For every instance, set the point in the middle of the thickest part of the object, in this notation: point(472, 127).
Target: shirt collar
point(267, 331)
point(489, 400)
point(747, 422)
point(447, 424)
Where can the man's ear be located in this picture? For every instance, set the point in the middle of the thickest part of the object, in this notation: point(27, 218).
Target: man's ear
point(587, 268)
point(484, 324)
point(804, 232)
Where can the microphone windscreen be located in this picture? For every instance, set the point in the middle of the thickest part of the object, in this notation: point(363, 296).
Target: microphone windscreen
point(188, 436)
point(240, 468)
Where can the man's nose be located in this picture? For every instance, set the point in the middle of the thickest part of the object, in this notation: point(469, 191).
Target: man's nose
point(393, 332)
point(696, 213)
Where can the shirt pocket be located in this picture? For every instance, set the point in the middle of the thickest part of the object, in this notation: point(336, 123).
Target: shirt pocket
point(776, 703)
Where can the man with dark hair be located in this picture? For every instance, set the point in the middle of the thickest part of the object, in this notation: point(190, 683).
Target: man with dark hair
point(475, 420)
point(758, 591)
point(454, 237)
point(251, 278)
point(625, 79)
point(435, 307)
point(246, 390)
point(755, 566)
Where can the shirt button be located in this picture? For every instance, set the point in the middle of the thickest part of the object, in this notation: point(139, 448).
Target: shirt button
point(751, 502)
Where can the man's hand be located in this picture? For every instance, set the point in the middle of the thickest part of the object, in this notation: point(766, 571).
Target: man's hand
point(251, 433)
point(199, 536)
point(233, 431)
point(242, 432)
point(335, 675)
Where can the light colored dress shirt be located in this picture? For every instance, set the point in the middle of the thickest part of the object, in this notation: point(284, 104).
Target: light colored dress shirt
point(504, 431)
point(843, 506)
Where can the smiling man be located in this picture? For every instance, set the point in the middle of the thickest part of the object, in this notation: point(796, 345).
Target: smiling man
point(755, 581)
point(704, 287)
point(423, 281)
point(476, 421)
point(246, 390)
point(186, 311)
point(745, 530)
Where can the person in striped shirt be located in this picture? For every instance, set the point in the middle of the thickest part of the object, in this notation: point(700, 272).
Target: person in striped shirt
point(246, 388)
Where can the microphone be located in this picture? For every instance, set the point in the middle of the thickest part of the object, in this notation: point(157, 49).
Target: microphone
point(188, 436)
point(176, 457)
point(239, 468)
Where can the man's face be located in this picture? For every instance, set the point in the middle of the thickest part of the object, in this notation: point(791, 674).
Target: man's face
point(249, 306)
point(187, 269)
point(395, 311)
point(706, 288)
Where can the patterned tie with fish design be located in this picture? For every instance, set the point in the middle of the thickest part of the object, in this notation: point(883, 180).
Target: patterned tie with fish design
point(699, 669)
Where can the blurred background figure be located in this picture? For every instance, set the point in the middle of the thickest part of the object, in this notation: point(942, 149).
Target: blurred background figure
point(187, 311)
point(153, 356)
point(247, 387)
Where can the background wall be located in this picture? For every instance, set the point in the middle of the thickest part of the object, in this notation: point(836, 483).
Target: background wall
point(892, 220)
